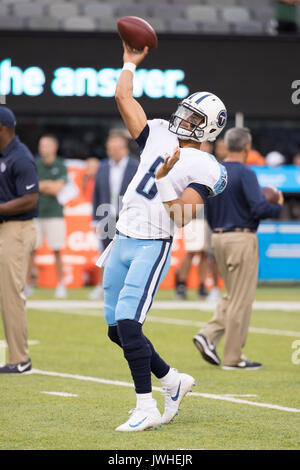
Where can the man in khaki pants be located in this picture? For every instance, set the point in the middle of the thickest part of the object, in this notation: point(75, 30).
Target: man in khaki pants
point(18, 207)
point(234, 217)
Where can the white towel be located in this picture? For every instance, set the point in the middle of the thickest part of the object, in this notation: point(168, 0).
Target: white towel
point(104, 256)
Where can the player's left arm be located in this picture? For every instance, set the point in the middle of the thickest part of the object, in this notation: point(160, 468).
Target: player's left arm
point(131, 111)
point(181, 210)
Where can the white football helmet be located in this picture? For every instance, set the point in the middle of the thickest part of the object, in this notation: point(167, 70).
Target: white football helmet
point(200, 117)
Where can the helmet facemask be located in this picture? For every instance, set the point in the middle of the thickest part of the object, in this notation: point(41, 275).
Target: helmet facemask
point(188, 123)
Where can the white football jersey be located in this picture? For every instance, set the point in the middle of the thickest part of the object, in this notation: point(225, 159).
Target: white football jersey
point(143, 214)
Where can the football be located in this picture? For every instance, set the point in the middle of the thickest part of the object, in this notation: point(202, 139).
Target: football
point(137, 33)
point(271, 194)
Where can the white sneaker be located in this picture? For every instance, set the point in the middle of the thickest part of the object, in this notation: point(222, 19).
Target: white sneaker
point(141, 419)
point(60, 292)
point(174, 395)
point(213, 296)
point(97, 293)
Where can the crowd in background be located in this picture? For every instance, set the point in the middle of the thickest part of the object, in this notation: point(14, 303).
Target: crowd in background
point(84, 143)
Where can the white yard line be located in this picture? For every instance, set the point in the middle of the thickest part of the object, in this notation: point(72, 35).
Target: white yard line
point(286, 306)
point(31, 342)
point(225, 397)
point(247, 395)
point(267, 331)
point(247, 402)
point(71, 307)
point(61, 394)
point(178, 321)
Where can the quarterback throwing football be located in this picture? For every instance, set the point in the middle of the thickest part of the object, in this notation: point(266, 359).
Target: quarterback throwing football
point(174, 177)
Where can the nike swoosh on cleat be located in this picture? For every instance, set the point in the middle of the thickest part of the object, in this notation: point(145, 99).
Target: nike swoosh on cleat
point(22, 368)
point(177, 394)
point(137, 424)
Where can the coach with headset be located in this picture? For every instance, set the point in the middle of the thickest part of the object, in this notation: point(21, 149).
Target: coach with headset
point(234, 217)
point(19, 191)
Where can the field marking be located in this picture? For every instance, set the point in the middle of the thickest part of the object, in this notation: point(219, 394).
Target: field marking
point(31, 342)
point(247, 402)
point(61, 394)
point(247, 395)
point(193, 394)
point(178, 321)
point(72, 310)
point(286, 306)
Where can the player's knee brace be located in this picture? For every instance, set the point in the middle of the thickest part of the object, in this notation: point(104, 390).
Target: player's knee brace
point(134, 343)
point(113, 335)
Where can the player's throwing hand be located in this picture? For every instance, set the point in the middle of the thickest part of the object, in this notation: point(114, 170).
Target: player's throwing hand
point(132, 55)
point(168, 164)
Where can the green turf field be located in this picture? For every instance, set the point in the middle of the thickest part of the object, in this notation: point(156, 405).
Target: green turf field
point(227, 409)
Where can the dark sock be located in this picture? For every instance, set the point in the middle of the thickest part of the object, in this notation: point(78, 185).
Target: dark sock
point(180, 287)
point(202, 290)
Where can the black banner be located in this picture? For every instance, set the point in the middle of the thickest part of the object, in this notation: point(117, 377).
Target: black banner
point(75, 74)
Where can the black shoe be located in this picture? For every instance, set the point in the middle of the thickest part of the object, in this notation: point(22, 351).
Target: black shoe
point(16, 368)
point(181, 292)
point(206, 349)
point(248, 365)
point(202, 292)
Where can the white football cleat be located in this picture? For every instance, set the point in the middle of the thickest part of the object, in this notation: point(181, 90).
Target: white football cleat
point(141, 419)
point(174, 395)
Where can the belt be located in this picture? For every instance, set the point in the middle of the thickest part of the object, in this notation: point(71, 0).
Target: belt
point(235, 229)
point(153, 239)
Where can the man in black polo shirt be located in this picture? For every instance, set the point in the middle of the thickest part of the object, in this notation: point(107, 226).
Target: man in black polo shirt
point(234, 217)
point(19, 192)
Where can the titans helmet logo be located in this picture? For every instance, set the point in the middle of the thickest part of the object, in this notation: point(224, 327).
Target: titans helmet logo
point(222, 118)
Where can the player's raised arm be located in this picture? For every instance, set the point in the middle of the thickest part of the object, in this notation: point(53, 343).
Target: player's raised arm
point(181, 210)
point(131, 111)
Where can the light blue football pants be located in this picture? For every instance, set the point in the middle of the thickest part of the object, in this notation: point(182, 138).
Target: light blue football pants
point(132, 274)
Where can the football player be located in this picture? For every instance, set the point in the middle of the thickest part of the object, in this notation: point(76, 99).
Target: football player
point(172, 181)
